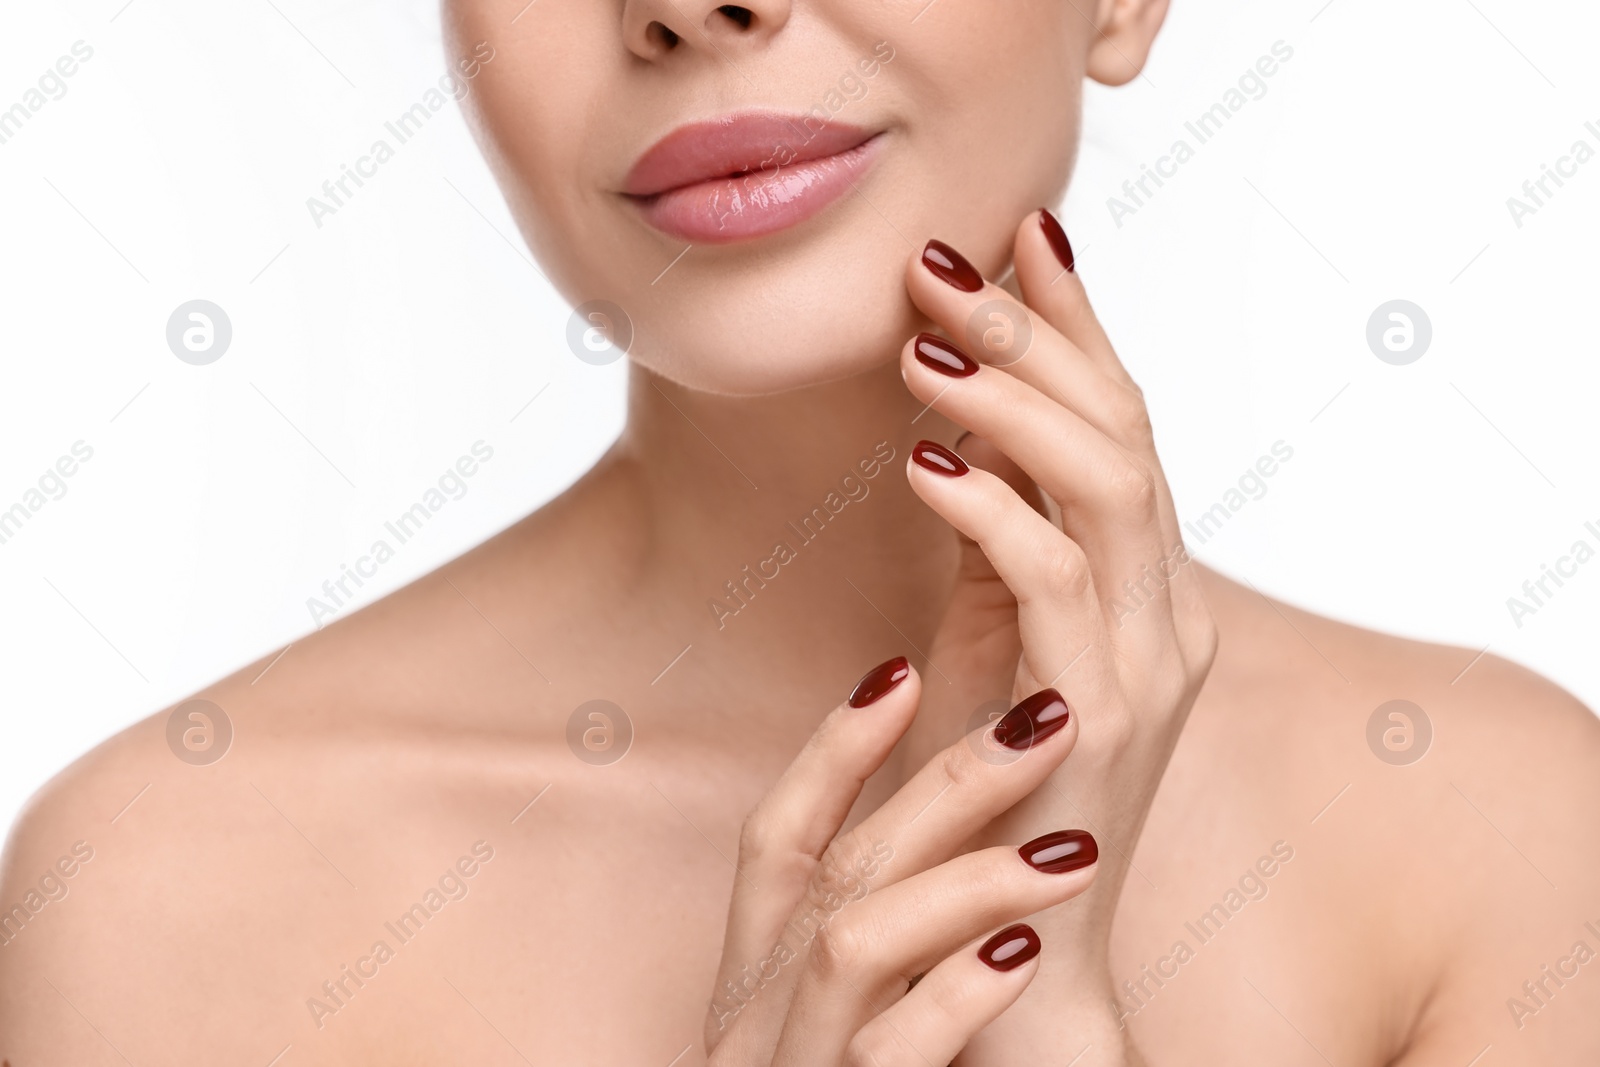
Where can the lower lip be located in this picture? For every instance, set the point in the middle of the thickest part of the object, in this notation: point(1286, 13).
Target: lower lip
point(725, 210)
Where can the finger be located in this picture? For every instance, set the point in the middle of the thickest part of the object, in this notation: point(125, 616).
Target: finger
point(948, 801)
point(1058, 605)
point(1108, 499)
point(1075, 367)
point(1093, 387)
point(786, 834)
point(959, 997)
point(1061, 298)
point(981, 453)
point(1002, 332)
point(862, 961)
point(1047, 273)
point(980, 601)
point(955, 794)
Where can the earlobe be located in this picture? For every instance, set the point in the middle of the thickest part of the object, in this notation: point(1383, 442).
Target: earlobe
point(1127, 29)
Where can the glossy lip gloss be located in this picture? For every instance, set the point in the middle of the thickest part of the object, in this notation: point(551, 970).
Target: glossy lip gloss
point(744, 176)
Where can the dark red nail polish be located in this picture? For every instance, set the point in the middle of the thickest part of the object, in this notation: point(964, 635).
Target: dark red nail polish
point(951, 267)
point(1010, 948)
point(1057, 238)
point(878, 681)
point(939, 459)
point(938, 354)
point(1060, 852)
point(1032, 721)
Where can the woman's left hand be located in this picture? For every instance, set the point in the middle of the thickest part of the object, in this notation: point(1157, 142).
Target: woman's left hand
point(1074, 577)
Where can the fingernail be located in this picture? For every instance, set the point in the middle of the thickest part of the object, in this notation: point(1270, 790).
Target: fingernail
point(1057, 238)
point(1010, 948)
point(939, 459)
point(878, 681)
point(1060, 852)
point(951, 267)
point(1032, 721)
point(936, 353)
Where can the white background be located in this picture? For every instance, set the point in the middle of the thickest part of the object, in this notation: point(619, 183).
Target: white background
point(367, 355)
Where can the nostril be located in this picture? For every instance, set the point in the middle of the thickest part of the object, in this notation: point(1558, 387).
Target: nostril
point(742, 15)
point(662, 36)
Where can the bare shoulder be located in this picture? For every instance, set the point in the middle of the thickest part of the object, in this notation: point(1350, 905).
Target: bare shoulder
point(223, 849)
point(63, 857)
point(63, 829)
point(1500, 839)
point(1448, 802)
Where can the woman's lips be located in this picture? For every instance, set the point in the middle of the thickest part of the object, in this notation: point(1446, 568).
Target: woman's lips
point(746, 175)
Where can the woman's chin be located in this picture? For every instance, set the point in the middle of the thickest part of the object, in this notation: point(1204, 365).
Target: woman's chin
point(743, 374)
point(784, 356)
point(776, 327)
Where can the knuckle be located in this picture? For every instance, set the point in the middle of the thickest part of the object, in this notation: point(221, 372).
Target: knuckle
point(949, 1000)
point(843, 855)
point(1067, 572)
point(873, 1046)
point(962, 769)
point(1134, 389)
point(1131, 415)
point(992, 879)
point(1133, 490)
point(757, 836)
point(839, 950)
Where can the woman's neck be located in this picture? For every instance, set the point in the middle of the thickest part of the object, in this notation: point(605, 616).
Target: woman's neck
point(788, 517)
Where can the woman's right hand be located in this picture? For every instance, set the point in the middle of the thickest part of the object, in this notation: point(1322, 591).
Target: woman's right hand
point(827, 932)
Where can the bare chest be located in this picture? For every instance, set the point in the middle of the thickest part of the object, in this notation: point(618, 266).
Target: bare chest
point(594, 932)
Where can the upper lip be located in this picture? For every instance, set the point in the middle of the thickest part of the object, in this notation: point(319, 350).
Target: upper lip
point(736, 144)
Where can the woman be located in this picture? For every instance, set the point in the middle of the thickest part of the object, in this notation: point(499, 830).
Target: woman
point(556, 803)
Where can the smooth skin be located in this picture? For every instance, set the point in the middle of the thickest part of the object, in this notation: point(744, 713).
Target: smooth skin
point(1332, 908)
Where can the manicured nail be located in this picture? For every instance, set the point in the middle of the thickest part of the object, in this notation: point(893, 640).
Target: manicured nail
point(939, 459)
point(951, 267)
point(1057, 238)
point(1060, 852)
point(878, 681)
point(938, 354)
point(1032, 721)
point(1010, 948)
